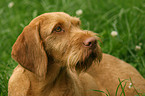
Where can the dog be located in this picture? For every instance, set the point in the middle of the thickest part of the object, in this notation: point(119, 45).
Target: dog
point(57, 58)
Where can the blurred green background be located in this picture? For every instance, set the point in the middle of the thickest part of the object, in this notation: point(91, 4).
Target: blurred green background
point(125, 17)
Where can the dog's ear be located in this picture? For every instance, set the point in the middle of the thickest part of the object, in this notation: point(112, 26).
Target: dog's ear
point(29, 52)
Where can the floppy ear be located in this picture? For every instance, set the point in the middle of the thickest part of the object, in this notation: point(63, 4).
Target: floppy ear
point(29, 52)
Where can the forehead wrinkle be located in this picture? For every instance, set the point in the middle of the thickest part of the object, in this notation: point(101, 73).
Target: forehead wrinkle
point(62, 18)
point(67, 18)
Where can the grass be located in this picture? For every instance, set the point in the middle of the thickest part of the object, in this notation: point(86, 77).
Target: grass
point(122, 88)
point(127, 17)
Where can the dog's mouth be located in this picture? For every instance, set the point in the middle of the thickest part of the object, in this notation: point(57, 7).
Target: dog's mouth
point(86, 61)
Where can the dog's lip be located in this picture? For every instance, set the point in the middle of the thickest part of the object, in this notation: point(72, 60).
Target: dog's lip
point(86, 61)
point(89, 52)
point(87, 55)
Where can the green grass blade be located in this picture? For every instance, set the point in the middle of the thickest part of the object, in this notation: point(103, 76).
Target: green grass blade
point(101, 92)
point(120, 84)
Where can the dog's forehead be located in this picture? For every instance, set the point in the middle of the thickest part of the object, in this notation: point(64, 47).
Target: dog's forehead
point(61, 16)
point(56, 17)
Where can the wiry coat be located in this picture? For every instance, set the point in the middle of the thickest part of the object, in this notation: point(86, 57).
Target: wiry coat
point(57, 58)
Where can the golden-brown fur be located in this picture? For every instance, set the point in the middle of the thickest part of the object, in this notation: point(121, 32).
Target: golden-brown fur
point(66, 61)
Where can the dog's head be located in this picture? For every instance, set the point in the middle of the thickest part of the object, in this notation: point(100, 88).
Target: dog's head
point(55, 38)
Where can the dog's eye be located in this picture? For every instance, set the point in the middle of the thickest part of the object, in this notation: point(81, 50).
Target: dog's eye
point(57, 29)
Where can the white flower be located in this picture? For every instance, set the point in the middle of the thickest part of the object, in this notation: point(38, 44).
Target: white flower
point(130, 85)
point(137, 47)
point(114, 33)
point(11, 4)
point(79, 12)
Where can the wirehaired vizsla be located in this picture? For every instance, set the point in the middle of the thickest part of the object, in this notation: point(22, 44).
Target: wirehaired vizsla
point(57, 58)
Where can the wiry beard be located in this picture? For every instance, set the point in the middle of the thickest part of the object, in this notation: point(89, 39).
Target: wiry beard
point(81, 60)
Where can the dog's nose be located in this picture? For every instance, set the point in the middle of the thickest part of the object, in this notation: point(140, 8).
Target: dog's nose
point(90, 42)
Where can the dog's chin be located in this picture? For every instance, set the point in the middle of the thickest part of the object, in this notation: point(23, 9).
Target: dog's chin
point(86, 61)
point(81, 60)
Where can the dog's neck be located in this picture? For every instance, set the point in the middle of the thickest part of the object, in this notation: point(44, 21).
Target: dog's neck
point(57, 76)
